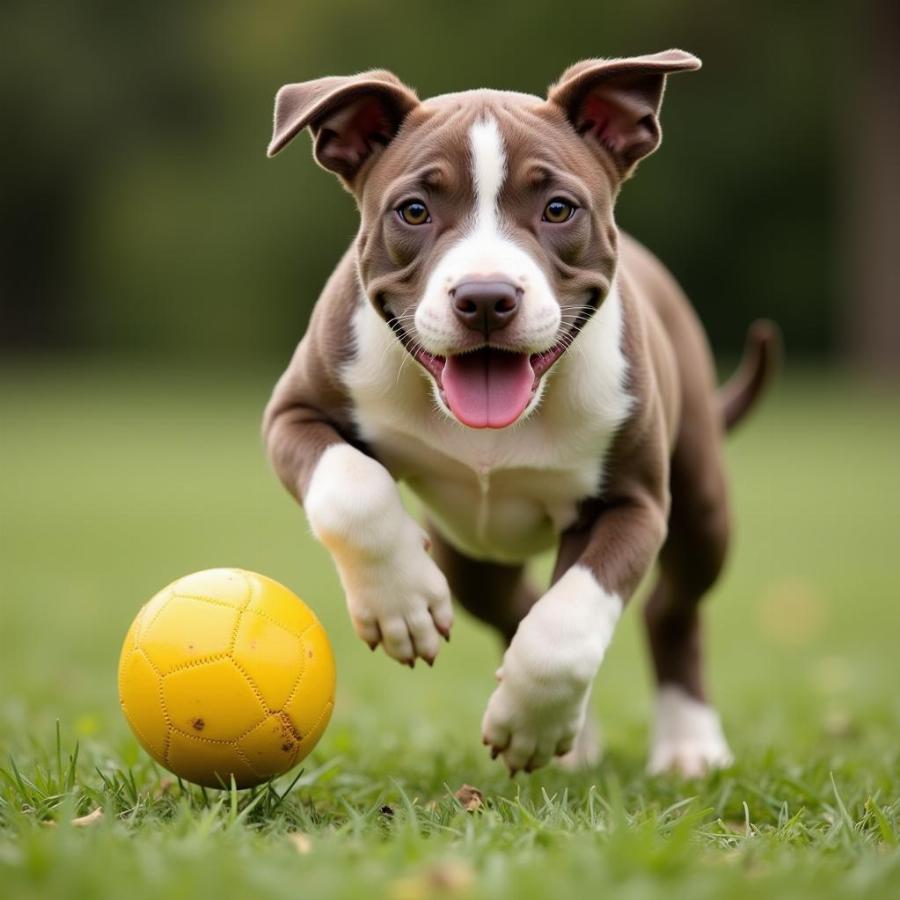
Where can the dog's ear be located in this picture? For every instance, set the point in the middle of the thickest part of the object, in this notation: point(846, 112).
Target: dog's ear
point(350, 117)
point(614, 103)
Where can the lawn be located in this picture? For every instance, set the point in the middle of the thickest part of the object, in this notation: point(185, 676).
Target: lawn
point(117, 478)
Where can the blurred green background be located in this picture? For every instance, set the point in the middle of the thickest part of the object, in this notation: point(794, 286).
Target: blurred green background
point(140, 212)
point(156, 271)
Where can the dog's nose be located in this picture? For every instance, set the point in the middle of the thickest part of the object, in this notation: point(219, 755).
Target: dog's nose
point(485, 305)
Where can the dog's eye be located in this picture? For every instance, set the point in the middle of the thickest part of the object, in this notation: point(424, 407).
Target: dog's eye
point(414, 212)
point(558, 211)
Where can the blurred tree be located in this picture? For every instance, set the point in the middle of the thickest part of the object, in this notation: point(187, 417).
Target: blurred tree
point(81, 87)
point(871, 134)
point(139, 211)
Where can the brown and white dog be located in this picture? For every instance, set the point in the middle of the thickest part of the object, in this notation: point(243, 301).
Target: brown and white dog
point(536, 378)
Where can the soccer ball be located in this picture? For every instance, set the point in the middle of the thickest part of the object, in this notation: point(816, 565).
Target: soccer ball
point(227, 673)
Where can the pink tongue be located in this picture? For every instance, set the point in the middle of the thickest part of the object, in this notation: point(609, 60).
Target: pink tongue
point(488, 388)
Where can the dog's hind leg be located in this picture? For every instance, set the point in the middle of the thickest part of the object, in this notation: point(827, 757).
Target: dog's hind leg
point(688, 737)
point(496, 593)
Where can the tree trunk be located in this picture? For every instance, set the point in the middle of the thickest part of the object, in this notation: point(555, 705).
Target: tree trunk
point(871, 135)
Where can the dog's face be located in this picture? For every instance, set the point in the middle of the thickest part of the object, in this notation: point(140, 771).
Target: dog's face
point(487, 236)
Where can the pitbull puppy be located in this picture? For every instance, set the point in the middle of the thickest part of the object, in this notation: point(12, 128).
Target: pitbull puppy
point(536, 378)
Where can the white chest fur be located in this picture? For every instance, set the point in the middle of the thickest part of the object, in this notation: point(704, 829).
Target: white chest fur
point(497, 494)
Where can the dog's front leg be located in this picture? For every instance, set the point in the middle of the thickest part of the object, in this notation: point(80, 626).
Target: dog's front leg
point(539, 704)
point(396, 594)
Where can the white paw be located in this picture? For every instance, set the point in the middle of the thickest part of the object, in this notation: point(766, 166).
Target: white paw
point(396, 594)
point(688, 738)
point(401, 601)
point(538, 708)
point(528, 724)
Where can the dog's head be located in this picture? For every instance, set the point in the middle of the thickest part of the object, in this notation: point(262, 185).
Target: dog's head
point(487, 237)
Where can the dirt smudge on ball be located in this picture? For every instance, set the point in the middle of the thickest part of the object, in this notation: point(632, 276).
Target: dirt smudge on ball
point(289, 733)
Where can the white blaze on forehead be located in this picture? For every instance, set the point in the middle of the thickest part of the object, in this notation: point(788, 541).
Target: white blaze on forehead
point(487, 247)
point(488, 171)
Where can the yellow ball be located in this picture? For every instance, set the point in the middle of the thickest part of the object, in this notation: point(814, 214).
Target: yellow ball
point(227, 673)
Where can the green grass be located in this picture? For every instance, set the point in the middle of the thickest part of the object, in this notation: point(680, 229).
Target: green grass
point(115, 479)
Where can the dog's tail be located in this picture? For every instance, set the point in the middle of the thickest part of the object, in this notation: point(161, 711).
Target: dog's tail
point(760, 362)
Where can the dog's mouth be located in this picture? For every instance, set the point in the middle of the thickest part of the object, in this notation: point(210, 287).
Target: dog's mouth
point(489, 387)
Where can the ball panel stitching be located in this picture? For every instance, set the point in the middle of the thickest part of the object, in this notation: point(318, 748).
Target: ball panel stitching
point(193, 663)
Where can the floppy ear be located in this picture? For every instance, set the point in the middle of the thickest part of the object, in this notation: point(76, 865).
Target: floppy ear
point(350, 117)
point(614, 103)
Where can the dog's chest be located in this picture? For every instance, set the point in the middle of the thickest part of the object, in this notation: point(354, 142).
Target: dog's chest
point(502, 494)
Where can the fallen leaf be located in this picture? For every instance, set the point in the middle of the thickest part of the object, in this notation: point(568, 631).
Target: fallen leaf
point(470, 797)
point(451, 875)
point(92, 818)
point(302, 843)
point(442, 879)
point(163, 787)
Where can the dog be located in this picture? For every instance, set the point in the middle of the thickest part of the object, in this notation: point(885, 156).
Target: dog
point(538, 380)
